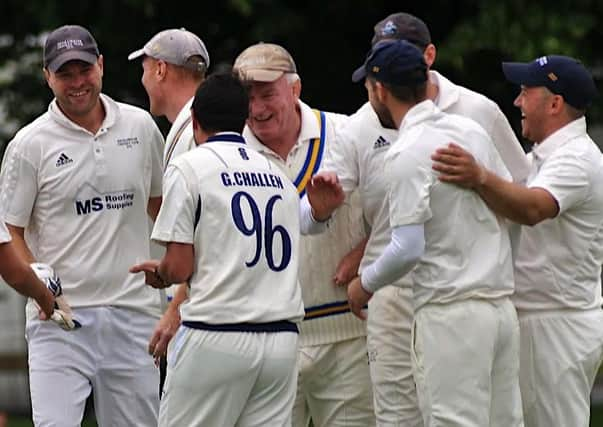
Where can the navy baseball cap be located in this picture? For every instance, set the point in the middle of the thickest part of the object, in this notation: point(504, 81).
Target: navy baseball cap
point(395, 62)
point(68, 43)
point(562, 75)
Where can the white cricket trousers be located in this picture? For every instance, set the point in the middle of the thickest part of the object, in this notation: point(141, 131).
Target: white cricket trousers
point(390, 316)
point(466, 363)
point(561, 353)
point(333, 386)
point(226, 379)
point(107, 355)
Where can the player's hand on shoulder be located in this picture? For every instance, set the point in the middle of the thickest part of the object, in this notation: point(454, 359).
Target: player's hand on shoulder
point(358, 297)
point(325, 194)
point(458, 166)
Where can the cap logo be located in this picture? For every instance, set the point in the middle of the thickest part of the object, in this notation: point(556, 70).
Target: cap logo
point(552, 77)
point(542, 61)
point(70, 44)
point(375, 69)
point(389, 29)
point(256, 61)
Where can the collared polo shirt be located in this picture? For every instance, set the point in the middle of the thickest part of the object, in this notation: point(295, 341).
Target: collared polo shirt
point(467, 248)
point(82, 199)
point(559, 260)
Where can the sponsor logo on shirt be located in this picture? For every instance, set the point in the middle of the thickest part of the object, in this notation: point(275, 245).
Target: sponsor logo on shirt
point(380, 143)
point(63, 160)
point(127, 142)
point(113, 201)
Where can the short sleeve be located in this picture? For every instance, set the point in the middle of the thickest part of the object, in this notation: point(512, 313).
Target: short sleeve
point(176, 219)
point(19, 185)
point(410, 182)
point(566, 178)
point(342, 159)
point(4, 234)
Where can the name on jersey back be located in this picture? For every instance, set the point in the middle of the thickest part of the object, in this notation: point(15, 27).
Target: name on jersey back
point(251, 179)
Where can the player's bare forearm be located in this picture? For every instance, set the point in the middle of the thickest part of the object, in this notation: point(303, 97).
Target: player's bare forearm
point(347, 268)
point(21, 278)
point(177, 265)
point(18, 241)
point(527, 206)
point(180, 296)
point(168, 324)
point(520, 204)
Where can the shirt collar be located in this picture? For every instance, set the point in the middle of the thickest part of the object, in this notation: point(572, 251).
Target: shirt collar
point(185, 112)
point(309, 130)
point(558, 138)
point(111, 114)
point(448, 92)
point(226, 137)
point(420, 112)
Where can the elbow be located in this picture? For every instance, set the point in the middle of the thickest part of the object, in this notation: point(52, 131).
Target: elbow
point(417, 252)
point(177, 275)
point(533, 216)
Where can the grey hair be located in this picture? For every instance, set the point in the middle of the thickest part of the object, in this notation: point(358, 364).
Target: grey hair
point(292, 77)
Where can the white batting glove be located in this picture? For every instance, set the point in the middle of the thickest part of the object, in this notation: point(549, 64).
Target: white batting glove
point(62, 314)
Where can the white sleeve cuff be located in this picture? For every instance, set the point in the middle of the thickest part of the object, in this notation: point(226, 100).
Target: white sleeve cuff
point(308, 224)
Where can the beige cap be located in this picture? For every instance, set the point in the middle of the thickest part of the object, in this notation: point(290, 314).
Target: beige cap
point(264, 62)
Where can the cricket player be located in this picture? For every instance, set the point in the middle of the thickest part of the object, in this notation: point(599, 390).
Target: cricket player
point(77, 184)
point(174, 63)
point(358, 161)
point(558, 266)
point(457, 249)
point(334, 382)
point(230, 222)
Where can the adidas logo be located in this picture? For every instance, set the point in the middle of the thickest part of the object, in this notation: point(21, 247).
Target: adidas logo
point(63, 160)
point(380, 143)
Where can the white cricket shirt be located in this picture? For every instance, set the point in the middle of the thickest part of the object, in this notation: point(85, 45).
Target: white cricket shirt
point(359, 158)
point(241, 213)
point(4, 234)
point(82, 199)
point(328, 318)
point(559, 261)
point(459, 100)
point(180, 138)
point(467, 249)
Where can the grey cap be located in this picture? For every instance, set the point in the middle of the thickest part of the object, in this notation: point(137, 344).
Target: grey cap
point(176, 46)
point(69, 43)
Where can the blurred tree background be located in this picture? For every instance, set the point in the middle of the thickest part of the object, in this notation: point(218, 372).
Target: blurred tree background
point(328, 39)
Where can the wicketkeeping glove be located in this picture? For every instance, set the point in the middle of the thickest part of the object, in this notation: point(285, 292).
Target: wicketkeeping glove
point(62, 314)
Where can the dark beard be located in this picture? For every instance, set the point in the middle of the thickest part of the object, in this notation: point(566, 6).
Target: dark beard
point(385, 117)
